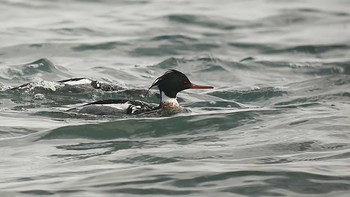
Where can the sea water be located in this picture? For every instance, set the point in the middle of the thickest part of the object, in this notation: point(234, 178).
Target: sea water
point(277, 122)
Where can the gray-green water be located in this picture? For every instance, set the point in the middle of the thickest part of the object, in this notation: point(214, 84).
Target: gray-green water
point(276, 124)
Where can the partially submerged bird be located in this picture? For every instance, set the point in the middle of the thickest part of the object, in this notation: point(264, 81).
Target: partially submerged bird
point(67, 85)
point(169, 84)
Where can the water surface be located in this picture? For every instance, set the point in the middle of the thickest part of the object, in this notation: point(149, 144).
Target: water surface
point(276, 124)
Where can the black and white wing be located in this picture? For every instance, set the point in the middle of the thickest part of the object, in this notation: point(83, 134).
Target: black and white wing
point(114, 107)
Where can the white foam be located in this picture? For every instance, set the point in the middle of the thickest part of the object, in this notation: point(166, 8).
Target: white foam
point(52, 85)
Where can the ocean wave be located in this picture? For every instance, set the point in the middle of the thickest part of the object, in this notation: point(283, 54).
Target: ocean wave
point(253, 95)
point(142, 128)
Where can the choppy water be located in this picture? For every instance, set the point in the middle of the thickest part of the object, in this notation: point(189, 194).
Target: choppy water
point(276, 124)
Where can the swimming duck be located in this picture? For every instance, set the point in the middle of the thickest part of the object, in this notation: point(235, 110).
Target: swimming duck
point(169, 84)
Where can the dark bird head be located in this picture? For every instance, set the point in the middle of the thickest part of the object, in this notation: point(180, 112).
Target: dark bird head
point(173, 82)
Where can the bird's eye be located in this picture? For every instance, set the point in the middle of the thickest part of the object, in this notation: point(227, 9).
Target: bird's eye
point(186, 82)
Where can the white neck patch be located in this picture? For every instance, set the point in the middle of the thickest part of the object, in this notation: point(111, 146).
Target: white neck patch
point(166, 99)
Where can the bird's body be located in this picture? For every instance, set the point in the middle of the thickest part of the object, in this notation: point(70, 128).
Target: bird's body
point(168, 84)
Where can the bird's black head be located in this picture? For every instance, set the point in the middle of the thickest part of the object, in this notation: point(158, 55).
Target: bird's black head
point(173, 82)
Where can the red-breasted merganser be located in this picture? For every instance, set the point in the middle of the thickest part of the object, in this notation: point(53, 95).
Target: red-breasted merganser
point(168, 84)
